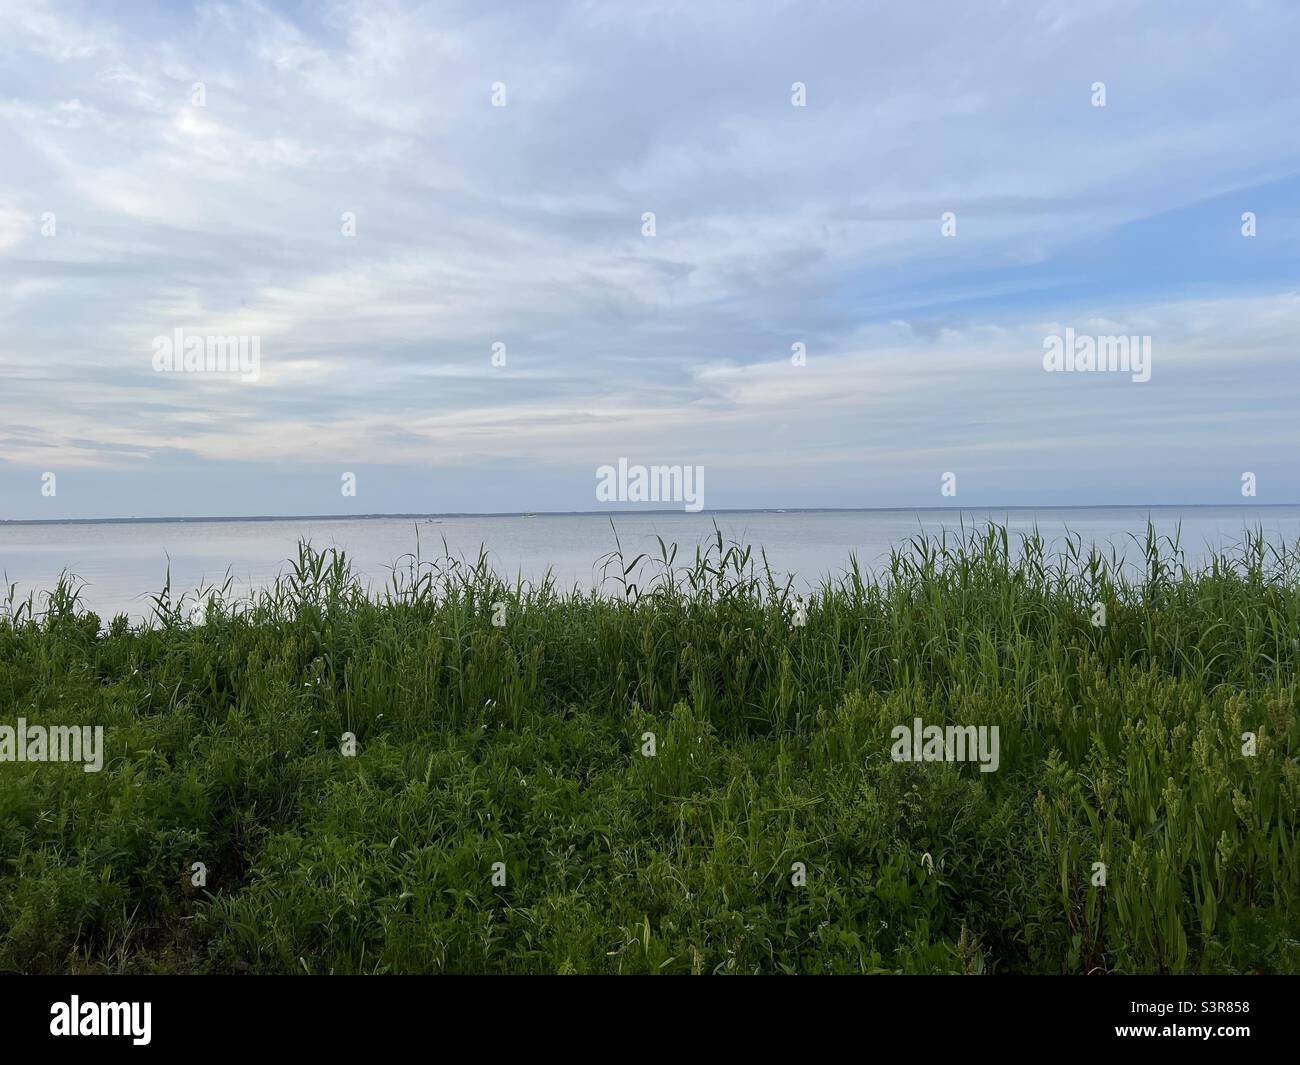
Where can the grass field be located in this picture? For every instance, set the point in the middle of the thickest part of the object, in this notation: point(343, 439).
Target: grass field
point(499, 724)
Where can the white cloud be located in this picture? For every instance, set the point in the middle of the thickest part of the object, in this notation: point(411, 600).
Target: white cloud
point(522, 225)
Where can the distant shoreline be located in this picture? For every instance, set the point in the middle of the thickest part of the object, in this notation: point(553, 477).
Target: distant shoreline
point(214, 520)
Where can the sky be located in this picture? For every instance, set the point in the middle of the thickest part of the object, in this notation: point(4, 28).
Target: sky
point(382, 196)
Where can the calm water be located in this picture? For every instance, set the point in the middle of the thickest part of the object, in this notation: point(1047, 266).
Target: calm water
point(122, 563)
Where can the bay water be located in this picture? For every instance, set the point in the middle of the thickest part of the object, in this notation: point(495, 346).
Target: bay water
point(122, 563)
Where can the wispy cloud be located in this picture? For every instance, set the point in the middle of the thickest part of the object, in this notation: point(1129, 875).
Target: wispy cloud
point(522, 225)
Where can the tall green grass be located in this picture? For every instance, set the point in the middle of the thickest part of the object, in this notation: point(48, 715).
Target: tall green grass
point(522, 744)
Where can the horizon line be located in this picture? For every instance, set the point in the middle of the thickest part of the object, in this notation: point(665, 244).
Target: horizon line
point(215, 519)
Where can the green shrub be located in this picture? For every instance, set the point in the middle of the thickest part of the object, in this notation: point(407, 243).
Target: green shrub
point(522, 744)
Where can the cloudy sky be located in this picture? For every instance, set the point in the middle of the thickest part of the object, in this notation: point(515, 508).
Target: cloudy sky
point(185, 166)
